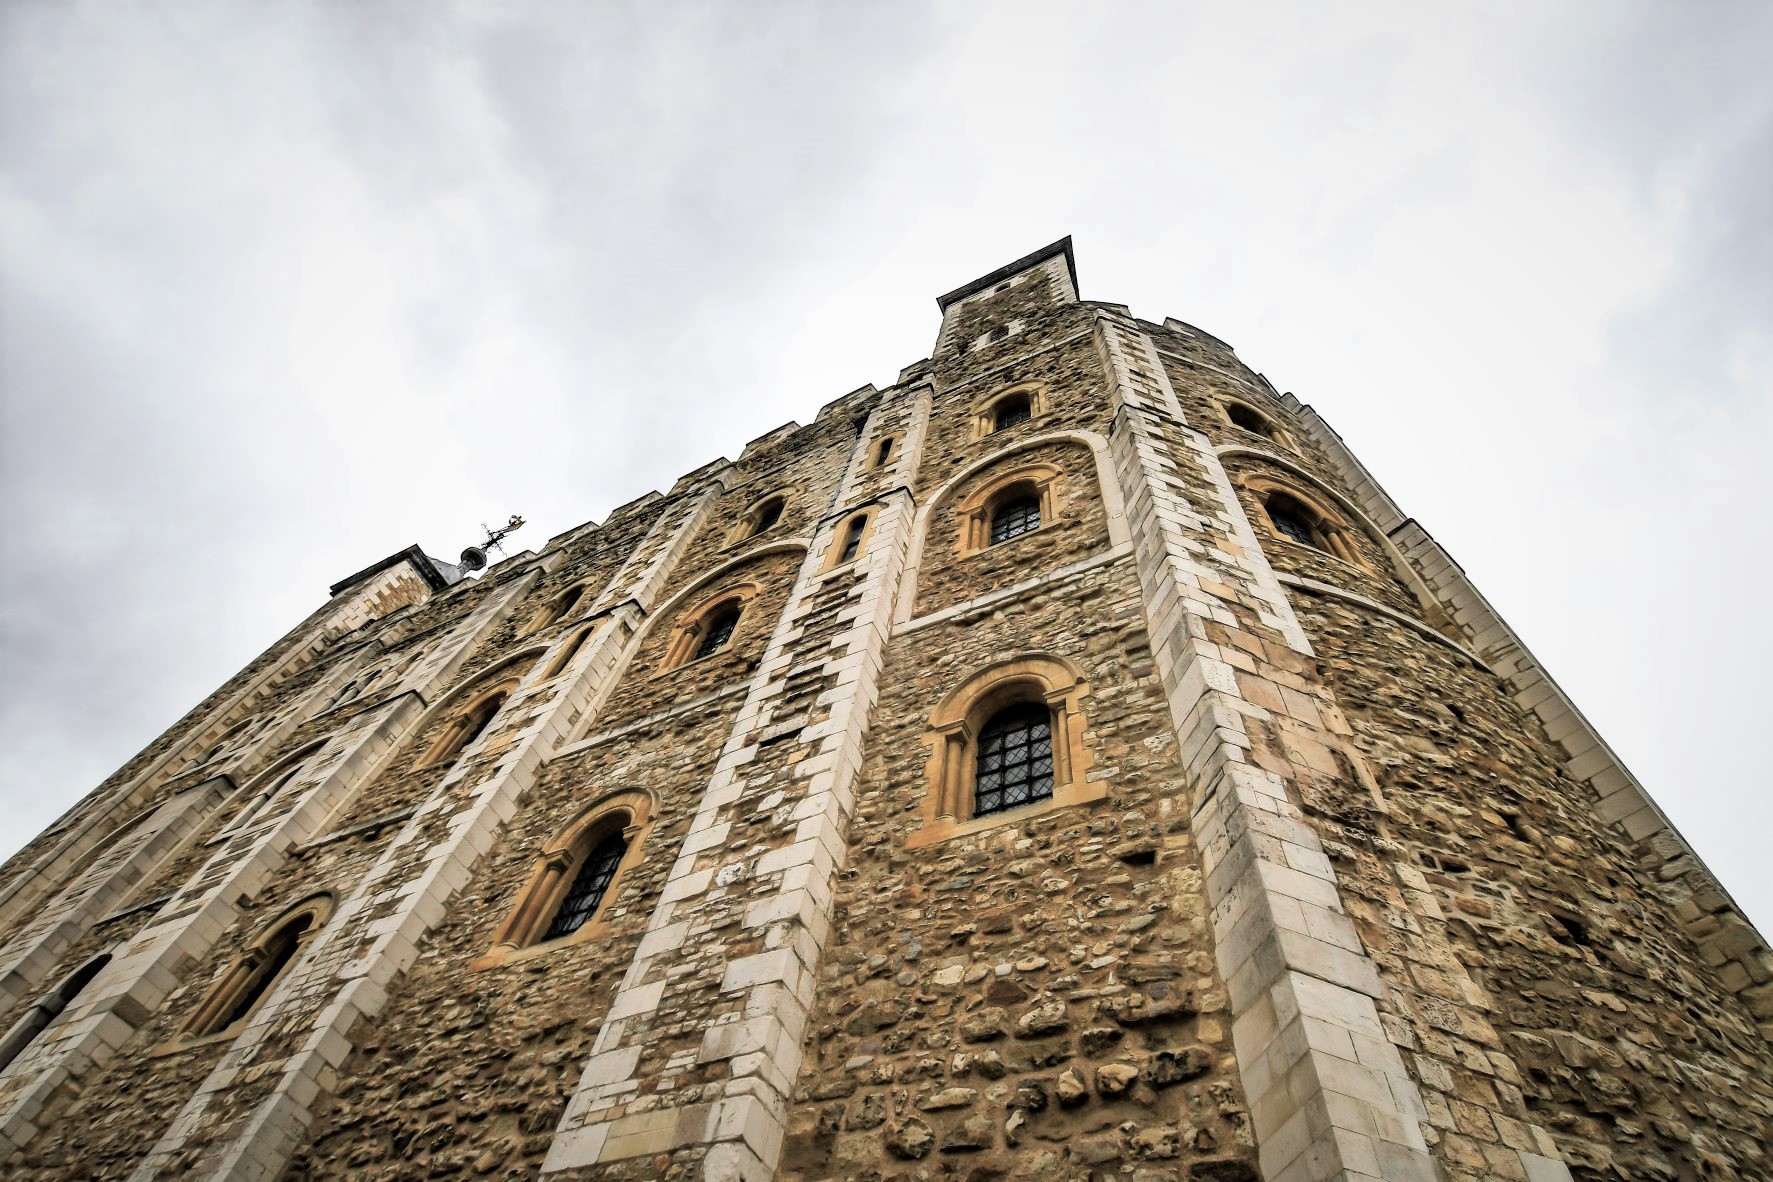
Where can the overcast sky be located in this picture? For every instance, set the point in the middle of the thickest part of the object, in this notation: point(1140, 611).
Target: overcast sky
point(287, 287)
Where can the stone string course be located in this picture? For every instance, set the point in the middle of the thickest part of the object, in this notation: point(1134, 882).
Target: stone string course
point(1347, 888)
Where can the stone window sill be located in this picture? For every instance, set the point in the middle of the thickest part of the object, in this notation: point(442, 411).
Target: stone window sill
point(948, 828)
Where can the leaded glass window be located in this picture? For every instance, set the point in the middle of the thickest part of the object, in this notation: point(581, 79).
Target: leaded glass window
point(1015, 518)
point(586, 893)
point(1012, 411)
point(719, 632)
point(1290, 523)
point(1015, 764)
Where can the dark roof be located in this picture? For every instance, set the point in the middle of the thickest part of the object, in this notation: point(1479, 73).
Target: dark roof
point(421, 562)
point(1021, 264)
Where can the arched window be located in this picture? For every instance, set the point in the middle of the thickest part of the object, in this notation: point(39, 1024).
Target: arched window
point(1013, 505)
point(717, 633)
point(1014, 764)
point(766, 515)
point(345, 695)
point(1248, 418)
point(38, 1017)
point(556, 609)
point(852, 540)
point(1002, 410)
point(1011, 411)
point(467, 728)
point(244, 984)
point(570, 650)
point(259, 800)
point(1015, 517)
point(222, 741)
point(1011, 737)
point(709, 629)
point(585, 895)
point(577, 876)
point(1293, 520)
point(884, 452)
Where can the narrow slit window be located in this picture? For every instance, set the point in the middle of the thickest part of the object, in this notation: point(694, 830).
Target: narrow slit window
point(852, 542)
point(1014, 519)
point(884, 454)
point(719, 632)
point(585, 895)
point(278, 954)
point(1015, 760)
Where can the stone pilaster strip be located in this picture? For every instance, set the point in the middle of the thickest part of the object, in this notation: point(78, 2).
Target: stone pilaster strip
point(1329, 1096)
point(726, 971)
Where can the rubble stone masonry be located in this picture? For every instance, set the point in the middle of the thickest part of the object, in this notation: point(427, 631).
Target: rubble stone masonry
point(1320, 875)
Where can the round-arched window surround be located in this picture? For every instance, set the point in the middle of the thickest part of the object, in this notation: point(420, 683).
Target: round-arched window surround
point(710, 628)
point(1019, 502)
point(1006, 744)
point(1005, 409)
point(575, 879)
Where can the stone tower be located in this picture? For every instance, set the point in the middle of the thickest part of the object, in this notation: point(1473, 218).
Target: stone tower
point(1066, 763)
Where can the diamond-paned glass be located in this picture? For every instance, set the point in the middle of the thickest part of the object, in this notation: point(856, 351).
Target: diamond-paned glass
point(586, 893)
point(720, 630)
point(1292, 525)
point(1012, 520)
point(1015, 764)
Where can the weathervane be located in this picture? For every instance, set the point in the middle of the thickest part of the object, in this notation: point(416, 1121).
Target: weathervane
point(474, 557)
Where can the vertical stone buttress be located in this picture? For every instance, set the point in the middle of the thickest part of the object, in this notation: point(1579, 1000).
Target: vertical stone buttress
point(1225, 640)
point(710, 1014)
point(265, 1088)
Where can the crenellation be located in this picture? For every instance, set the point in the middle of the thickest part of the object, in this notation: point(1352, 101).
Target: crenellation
point(1066, 762)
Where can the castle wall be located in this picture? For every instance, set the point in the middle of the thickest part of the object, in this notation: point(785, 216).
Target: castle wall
point(1330, 884)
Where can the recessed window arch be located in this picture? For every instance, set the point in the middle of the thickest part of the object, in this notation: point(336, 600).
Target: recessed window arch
point(570, 649)
point(556, 609)
point(1245, 417)
point(883, 451)
point(575, 879)
point(1019, 502)
point(269, 786)
point(1008, 408)
point(1305, 521)
point(48, 1008)
point(469, 723)
point(1006, 741)
point(850, 539)
point(223, 741)
point(244, 984)
point(711, 628)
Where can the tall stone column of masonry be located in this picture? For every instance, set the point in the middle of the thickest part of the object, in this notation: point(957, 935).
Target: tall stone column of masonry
point(139, 977)
point(145, 780)
point(253, 1110)
point(1329, 1096)
point(710, 1014)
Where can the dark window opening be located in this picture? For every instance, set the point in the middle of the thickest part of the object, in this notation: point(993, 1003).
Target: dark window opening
point(1242, 416)
point(278, 953)
point(1570, 930)
point(567, 602)
point(471, 726)
point(1015, 764)
point(570, 651)
point(1012, 411)
point(586, 893)
point(852, 542)
point(718, 632)
point(886, 451)
point(1292, 521)
point(1015, 518)
point(767, 515)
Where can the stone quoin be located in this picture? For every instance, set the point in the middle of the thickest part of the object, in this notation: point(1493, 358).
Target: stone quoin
point(1066, 763)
